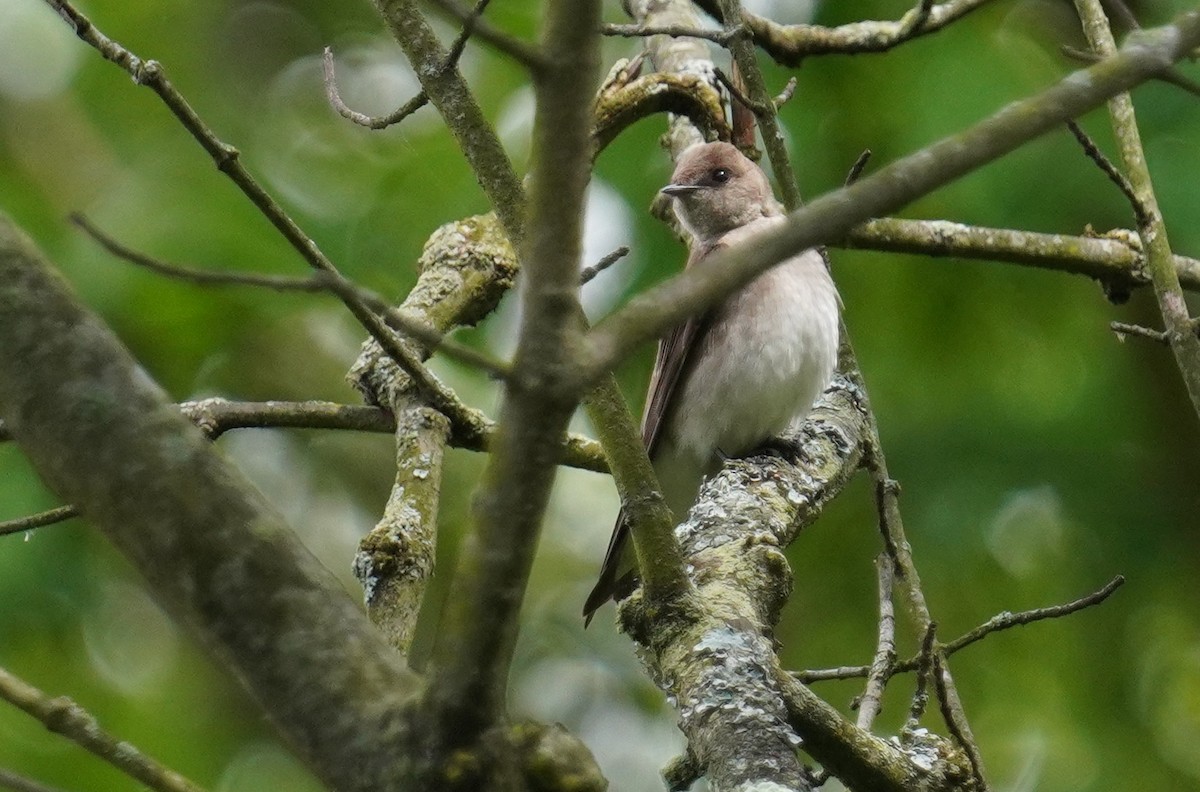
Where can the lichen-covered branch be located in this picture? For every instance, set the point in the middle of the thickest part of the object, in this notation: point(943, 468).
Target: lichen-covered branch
point(465, 268)
point(790, 44)
point(690, 96)
point(1107, 259)
point(684, 58)
point(733, 539)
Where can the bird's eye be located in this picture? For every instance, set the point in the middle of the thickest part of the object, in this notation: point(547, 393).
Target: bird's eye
point(720, 175)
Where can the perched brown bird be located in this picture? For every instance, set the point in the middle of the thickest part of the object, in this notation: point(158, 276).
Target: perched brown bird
point(727, 381)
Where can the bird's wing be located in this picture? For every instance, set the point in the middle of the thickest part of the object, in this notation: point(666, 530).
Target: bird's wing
point(669, 363)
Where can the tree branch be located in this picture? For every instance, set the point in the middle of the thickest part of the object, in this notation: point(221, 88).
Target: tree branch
point(465, 120)
point(1108, 260)
point(790, 44)
point(103, 436)
point(761, 104)
point(474, 647)
point(65, 717)
point(1185, 344)
point(19, 783)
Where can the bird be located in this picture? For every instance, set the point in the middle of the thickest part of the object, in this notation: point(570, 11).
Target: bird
point(728, 381)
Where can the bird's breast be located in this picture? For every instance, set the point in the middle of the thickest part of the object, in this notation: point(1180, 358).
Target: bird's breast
point(765, 357)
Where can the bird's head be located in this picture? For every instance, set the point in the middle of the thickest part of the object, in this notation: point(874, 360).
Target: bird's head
point(716, 189)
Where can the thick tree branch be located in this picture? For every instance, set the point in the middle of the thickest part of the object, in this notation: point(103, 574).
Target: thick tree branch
point(678, 58)
point(474, 648)
point(103, 436)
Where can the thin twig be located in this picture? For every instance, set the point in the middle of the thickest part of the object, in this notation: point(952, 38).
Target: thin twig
point(48, 517)
point(471, 24)
point(1111, 171)
point(320, 282)
point(786, 94)
point(19, 783)
point(924, 667)
point(998, 623)
point(65, 717)
point(362, 119)
point(1004, 621)
point(586, 275)
point(192, 275)
point(1123, 329)
point(954, 719)
point(759, 109)
point(1168, 292)
point(885, 648)
point(475, 26)
point(857, 168)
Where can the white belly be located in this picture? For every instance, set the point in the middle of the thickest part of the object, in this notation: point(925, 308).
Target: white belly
point(765, 359)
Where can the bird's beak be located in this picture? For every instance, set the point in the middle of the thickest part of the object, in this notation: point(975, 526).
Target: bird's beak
point(678, 190)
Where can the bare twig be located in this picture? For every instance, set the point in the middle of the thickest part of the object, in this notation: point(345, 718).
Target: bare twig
point(586, 275)
point(786, 94)
point(475, 26)
point(19, 783)
point(998, 623)
point(1111, 171)
point(1123, 329)
point(48, 517)
point(362, 119)
point(885, 648)
point(924, 668)
point(472, 24)
point(320, 282)
point(857, 168)
point(1004, 621)
point(194, 275)
point(758, 108)
point(65, 717)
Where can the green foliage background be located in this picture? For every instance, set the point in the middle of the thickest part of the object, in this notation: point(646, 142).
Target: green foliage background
point(1039, 455)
